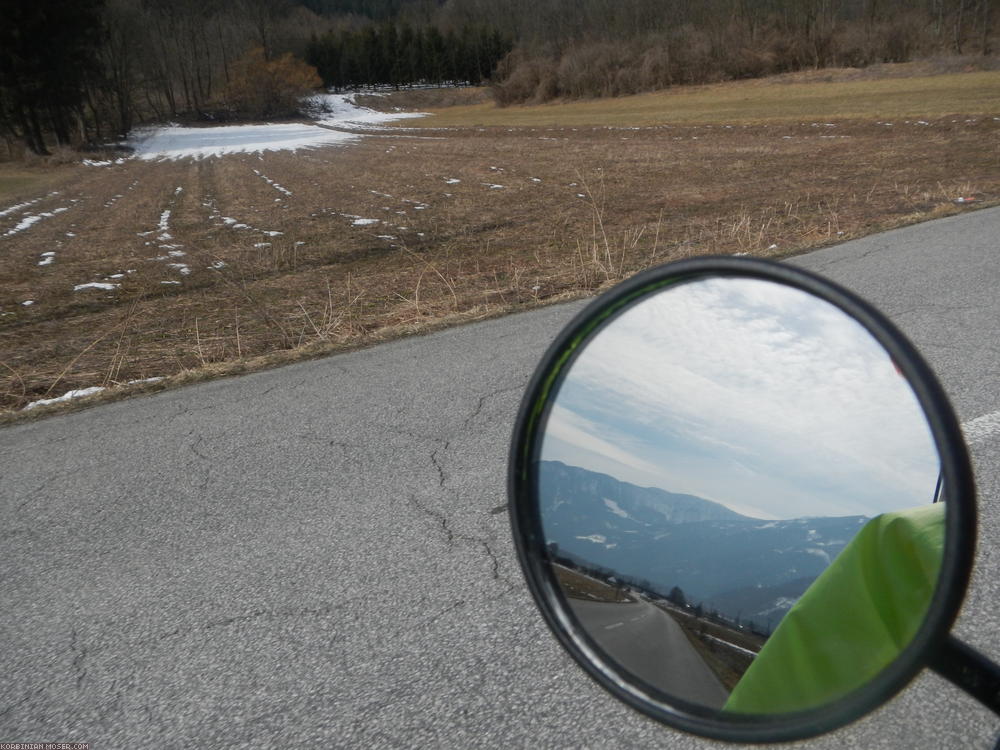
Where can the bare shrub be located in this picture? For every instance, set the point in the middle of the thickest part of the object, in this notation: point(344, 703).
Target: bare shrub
point(737, 55)
point(265, 88)
point(523, 78)
point(599, 69)
point(902, 38)
point(655, 70)
point(742, 61)
point(856, 47)
point(693, 61)
point(788, 52)
point(548, 82)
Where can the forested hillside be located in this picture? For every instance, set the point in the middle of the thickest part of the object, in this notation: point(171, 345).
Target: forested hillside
point(585, 48)
point(75, 71)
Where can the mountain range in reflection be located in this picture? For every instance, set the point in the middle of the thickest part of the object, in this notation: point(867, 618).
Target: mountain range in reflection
point(683, 547)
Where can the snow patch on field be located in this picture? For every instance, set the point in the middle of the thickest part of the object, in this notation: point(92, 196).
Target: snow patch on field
point(18, 207)
point(272, 183)
point(329, 110)
point(216, 217)
point(198, 143)
point(96, 285)
point(27, 221)
point(339, 110)
point(68, 396)
point(164, 225)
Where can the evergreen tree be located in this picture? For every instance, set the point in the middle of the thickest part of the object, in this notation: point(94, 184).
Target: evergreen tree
point(47, 51)
point(677, 597)
point(401, 55)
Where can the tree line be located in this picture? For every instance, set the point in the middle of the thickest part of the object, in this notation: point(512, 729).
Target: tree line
point(404, 55)
point(616, 47)
point(75, 71)
point(84, 71)
point(87, 71)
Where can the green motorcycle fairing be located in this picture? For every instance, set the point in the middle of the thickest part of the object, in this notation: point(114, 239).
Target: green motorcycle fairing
point(854, 619)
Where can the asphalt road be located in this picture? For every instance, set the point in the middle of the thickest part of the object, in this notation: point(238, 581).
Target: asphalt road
point(319, 554)
point(651, 645)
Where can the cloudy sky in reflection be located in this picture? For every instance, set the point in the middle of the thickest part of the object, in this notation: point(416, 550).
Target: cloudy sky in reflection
point(755, 395)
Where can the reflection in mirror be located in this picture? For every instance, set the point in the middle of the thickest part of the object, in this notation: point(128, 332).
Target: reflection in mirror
point(708, 454)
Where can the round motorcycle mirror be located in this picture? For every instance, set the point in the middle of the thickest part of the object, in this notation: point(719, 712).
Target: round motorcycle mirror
point(741, 500)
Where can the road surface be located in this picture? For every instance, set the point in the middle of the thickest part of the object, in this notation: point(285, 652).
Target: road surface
point(318, 555)
point(651, 645)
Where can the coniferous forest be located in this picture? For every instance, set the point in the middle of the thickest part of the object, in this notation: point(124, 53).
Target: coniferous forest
point(393, 55)
point(81, 71)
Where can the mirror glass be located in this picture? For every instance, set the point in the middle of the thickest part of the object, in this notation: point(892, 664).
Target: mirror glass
point(737, 493)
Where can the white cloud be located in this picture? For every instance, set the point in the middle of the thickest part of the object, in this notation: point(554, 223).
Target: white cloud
point(770, 386)
point(580, 433)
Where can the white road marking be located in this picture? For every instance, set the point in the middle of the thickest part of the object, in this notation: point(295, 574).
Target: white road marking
point(982, 428)
point(612, 627)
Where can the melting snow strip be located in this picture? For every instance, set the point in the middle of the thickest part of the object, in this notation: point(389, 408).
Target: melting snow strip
point(96, 285)
point(27, 221)
point(234, 224)
point(69, 395)
point(107, 163)
point(18, 207)
point(272, 183)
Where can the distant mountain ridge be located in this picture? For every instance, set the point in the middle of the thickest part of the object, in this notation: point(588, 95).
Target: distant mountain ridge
point(744, 567)
point(674, 507)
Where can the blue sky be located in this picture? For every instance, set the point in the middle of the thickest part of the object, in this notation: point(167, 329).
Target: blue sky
point(749, 393)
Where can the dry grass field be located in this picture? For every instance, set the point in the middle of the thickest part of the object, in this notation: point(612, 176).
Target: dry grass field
point(225, 264)
point(818, 95)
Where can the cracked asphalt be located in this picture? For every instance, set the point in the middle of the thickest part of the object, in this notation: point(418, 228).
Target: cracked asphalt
point(320, 553)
